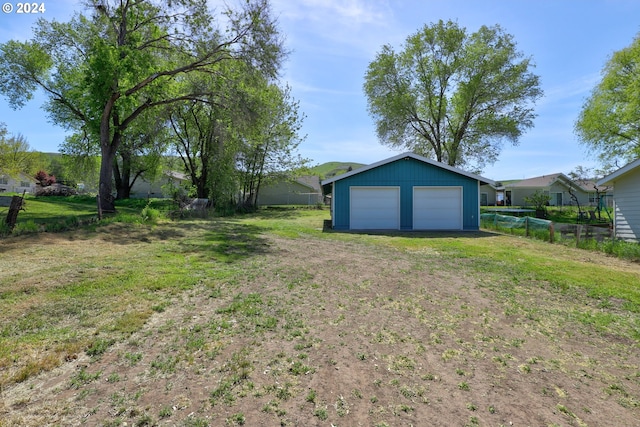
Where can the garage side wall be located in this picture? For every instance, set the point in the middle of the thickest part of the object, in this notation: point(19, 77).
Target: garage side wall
point(406, 174)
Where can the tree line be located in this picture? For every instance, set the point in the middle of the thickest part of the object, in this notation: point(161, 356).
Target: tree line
point(135, 79)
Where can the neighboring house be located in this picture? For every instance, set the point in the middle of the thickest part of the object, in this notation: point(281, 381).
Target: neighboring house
point(146, 189)
point(405, 192)
point(626, 201)
point(18, 184)
point(556, 186)
point(303, 190)
point(488, 194)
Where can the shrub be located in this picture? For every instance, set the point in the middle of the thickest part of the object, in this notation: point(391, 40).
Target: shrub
point(44, 179)
point(150, 214)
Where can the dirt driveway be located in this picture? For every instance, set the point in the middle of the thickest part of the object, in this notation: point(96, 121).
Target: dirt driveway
point(322, 332)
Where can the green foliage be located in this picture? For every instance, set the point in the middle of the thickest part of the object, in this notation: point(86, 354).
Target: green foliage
point(27, 227)
point(608, 122)
point(621, 249)
point(230, 152)
point(16, 156)
point(98, 347)
point(150, 214)
point(539, 200)
point(59, 213)
point(83, 378)
point(105, 72)
point(4, 227)
point(270, 152)
point(452, 95)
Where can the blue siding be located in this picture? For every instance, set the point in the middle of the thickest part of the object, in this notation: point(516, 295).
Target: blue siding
point(406, 173)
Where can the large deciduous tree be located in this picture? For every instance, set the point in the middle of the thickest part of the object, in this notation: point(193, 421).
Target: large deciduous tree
point(102, 72)
point(609, 123)
point(238, 139)
point(451, 95)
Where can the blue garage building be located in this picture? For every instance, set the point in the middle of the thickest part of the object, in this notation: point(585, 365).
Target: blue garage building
point(405, 192)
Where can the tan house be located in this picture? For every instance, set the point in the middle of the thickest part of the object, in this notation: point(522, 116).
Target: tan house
point(303, 190)
point(490, 195)
point(154, 189)
point(557, 186)
point(626, 201)
point(18, 184)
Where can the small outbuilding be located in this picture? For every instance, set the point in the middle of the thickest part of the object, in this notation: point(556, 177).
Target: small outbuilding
point(302, 190)
point(626, 201)
point(405, 192)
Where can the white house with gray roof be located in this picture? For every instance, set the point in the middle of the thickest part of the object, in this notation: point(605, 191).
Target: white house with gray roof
point(301, 190)
point(626, 201)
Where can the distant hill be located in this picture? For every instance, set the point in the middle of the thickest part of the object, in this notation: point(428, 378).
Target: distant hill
point(331, 169)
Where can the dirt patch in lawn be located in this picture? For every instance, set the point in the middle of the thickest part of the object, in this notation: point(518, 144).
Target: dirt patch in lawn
point(330, 333)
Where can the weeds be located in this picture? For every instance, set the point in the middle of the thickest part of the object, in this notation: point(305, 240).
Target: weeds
point(311, 396)
point(321, 412)
point(83, 378)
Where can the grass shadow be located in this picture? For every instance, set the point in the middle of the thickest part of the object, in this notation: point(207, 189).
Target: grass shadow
point(229, 241)
point(278, 212)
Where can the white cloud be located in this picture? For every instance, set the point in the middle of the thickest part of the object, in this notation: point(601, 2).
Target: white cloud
point(352, 12)
point(342, 27)
point(576, 89)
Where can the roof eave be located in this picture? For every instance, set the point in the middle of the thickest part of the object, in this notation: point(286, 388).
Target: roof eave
point(480, 179)
point(609, 179)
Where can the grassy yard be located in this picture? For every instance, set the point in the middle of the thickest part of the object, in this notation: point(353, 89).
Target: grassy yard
point(56, 214)
point(265, 319)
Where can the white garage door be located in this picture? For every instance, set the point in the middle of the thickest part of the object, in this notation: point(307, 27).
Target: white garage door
point(375, 208)
point(437, 208)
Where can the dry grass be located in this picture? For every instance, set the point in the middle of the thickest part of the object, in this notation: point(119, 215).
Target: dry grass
point(268, 321)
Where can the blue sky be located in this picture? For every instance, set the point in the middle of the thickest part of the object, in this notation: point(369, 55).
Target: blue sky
point(333, 42)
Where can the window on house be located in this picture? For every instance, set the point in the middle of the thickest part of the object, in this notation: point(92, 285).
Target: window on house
point(4, 180)
point(24, 183)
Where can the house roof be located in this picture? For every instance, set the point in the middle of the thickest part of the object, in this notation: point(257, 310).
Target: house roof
point(609, 179)
point(403, 156)
point(311, 181)
point(538, 181)
point(176, 175)
point(548, 180)
point(19, 176)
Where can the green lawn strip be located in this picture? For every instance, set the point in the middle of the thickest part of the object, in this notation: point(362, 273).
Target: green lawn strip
point(289, 223)
point(521, 273)
point(55, 213)
point(538, 261)
point(489, 253)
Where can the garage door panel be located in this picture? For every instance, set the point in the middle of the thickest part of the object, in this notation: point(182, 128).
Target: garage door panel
point(437, 208)
point(375, 208)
